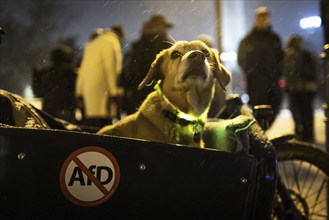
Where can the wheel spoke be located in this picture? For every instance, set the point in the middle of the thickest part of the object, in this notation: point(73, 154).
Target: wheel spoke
point(319, 216)
point(312, 182)
point(304, 178)
point(296, 172)
point(318, 197)
point(304, 170)
point(308, 171)
point(286, 175)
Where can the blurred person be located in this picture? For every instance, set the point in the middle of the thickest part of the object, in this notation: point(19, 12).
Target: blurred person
point(97, 84)
point(56, 84)
point(207, 39)
point(302, 83)
point(93, 35)
point(80, 111)
point(260, 56)
point(137, 61)
point(97, 32)
point(324, 11)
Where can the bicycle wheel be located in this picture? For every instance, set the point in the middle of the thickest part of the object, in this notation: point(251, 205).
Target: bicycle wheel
point(304, 170)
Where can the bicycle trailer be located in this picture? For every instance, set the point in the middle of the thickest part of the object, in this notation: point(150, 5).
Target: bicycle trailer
point(62, 174)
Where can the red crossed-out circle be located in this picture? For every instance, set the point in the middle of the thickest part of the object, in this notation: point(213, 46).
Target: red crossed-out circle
point(79, 161)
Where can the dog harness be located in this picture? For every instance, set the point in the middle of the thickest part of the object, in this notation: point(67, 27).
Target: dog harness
point(181, 118)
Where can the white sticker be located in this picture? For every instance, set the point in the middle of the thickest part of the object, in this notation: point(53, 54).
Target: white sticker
point(89, 176)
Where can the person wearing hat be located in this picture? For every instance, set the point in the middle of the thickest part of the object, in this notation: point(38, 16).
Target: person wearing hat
point(97, 88)
point(55, 84)
point(260, 55)
point(137, 61)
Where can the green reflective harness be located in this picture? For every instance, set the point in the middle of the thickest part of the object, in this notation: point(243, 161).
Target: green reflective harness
point(182, 118)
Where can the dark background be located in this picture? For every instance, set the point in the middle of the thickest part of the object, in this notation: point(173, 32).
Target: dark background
point(33, 28)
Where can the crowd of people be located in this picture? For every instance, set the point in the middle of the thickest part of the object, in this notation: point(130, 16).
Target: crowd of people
point(104, 82)
point(265, 61)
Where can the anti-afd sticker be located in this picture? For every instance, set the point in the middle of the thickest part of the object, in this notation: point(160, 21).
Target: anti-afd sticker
point(89, 176)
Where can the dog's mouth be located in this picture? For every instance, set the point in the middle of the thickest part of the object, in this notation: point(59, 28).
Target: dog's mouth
point(195, 72)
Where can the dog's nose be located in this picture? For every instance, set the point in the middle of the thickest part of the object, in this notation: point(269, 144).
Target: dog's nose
point(196, 55)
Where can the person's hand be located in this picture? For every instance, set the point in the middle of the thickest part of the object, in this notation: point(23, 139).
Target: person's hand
point(116, 99)
point(114, 106)
point(79, 101)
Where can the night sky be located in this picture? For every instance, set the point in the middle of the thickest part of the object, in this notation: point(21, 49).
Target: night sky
point(191, 18)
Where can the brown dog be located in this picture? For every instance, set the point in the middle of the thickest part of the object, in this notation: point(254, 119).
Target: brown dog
point(177, 110)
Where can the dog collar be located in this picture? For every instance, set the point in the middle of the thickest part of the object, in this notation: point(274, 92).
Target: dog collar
point(181, 118)
point(184, 122)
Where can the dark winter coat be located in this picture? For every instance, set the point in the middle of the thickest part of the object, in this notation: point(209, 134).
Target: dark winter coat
point(301, 71)
point(260, 56)
point(56, 86)
point(137, 62)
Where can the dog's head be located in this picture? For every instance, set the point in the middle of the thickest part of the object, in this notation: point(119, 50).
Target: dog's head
point(188, 71)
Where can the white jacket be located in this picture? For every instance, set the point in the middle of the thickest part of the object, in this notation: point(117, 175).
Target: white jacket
point(99, 73)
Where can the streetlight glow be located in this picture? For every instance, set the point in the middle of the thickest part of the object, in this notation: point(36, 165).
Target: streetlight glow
point(310, 22)
point(228, 56)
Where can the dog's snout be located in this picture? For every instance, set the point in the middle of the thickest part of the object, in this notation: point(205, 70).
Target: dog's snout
point(196, 55)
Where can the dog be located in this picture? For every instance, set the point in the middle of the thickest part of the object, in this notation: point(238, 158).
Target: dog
point(175, 113)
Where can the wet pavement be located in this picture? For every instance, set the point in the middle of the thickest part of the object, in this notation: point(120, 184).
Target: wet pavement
point(284, 124)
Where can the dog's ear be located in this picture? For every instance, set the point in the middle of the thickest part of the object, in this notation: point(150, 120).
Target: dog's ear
point(222, 75)
point(154, 71)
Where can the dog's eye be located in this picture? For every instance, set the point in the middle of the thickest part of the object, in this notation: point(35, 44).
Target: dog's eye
point(175, 55)
point(206, 53)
